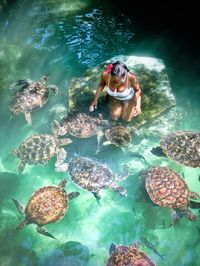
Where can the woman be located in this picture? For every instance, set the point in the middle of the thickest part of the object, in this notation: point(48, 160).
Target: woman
point(123, 90)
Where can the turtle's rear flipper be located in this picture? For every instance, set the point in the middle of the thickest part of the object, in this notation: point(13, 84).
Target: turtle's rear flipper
point(28, 118)
point(44, 232)
point(158, 152)
point(20, 208)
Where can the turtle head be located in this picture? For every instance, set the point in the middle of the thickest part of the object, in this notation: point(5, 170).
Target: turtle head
point(44, 78)
point(64, 141)
point(122, 191)
point(112, 248)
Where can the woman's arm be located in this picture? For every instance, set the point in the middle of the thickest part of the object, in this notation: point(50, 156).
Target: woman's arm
point(100, 88)
point(136, 87)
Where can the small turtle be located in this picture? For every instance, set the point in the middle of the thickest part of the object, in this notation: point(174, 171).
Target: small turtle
point(93, 175)
point(128, 255)
point(39, 149)
point(181, 146)
point(121, 136)
point(32, 95)
point(47, 205)
point(118, 135)
point(167, 188)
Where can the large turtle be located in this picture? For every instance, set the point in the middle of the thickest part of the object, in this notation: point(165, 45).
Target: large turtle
point(80, 125)
point(31, 95)
point(39, 149)
point(181, 146)
point(93, 175)
point(46, 205)
point(121, 255)
point(167, 188)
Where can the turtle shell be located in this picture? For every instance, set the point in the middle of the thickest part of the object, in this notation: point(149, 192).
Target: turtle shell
point(37, 149)
point(89, 173)
point(183, 147)
point(127, 256)
point(30, 97)
point(119, 136)
point(81, 125)
point(47, 205)
point(167, 188)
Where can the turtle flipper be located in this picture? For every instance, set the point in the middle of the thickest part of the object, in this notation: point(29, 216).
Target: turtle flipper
point(21, 82)
point(158, 152)
point(53, 88)
point(125, 173)
point(97, 196)
point(60, 166)
point(99, 137)
point(21, 166)
point(43, 231)
point(20, 208)
point(73, 195)
point(122, 191)
point(23, 224)
point(28, 118)
point(58, 130)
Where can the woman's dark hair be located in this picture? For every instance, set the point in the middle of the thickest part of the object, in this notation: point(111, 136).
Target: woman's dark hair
point(119, 69)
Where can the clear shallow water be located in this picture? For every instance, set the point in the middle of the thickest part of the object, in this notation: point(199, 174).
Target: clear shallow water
point(63, 40)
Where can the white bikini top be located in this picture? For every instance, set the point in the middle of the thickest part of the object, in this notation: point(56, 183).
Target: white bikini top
point(127, 94)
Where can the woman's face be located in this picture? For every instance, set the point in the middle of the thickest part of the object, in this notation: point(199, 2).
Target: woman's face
point(118, 80)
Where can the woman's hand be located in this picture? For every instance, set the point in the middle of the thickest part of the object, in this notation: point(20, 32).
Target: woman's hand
point(137, 111)
point(93, 106)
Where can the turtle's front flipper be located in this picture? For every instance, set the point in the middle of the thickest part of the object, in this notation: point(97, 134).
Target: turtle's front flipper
point(20, 208)
point(73, 195)
point(158, 152)
point(21, 82)
point(122, 191)
point(58, 130)
point(44, 232)
point(21, 166)
point(125, 173)
point(60, 166)
point(28, 118)
point(53, 88)
point(99, 137)
point(97, 196)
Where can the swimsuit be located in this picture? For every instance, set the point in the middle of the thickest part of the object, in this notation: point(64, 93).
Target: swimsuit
point(125, 95)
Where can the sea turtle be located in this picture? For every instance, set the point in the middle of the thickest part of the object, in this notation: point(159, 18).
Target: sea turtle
point(121, 255)
point(46, 205)
point(94, 175)
point(39, 149)
point(181, 146)
point(121, 136)
point(118, 135)
point(167, 188)
point(30, 96)
point(80, 125)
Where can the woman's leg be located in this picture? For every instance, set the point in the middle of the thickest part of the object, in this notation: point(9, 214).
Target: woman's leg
point(128, 109)
point(115, 108)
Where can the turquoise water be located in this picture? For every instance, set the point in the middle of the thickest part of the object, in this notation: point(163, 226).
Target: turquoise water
point(63, 39)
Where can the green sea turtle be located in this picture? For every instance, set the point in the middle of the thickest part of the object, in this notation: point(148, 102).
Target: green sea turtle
point(121, 255)
point(30, 96)
point(47, 205)
point(121, 136)
point(181, 146)
point(80, 125)
point(167, 188)
point(118, 135)
point(94, 175)
point(39, 149)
